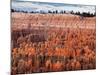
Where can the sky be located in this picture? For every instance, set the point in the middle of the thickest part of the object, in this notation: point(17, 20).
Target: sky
point(45, 6)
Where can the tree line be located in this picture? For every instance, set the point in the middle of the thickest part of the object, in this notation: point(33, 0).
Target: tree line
point(83, 14)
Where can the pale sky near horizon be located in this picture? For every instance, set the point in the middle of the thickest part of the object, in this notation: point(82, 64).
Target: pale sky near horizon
point(35, 5)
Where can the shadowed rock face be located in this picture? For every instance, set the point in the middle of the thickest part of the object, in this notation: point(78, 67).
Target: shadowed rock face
point(23, 35)
point(38, 38)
